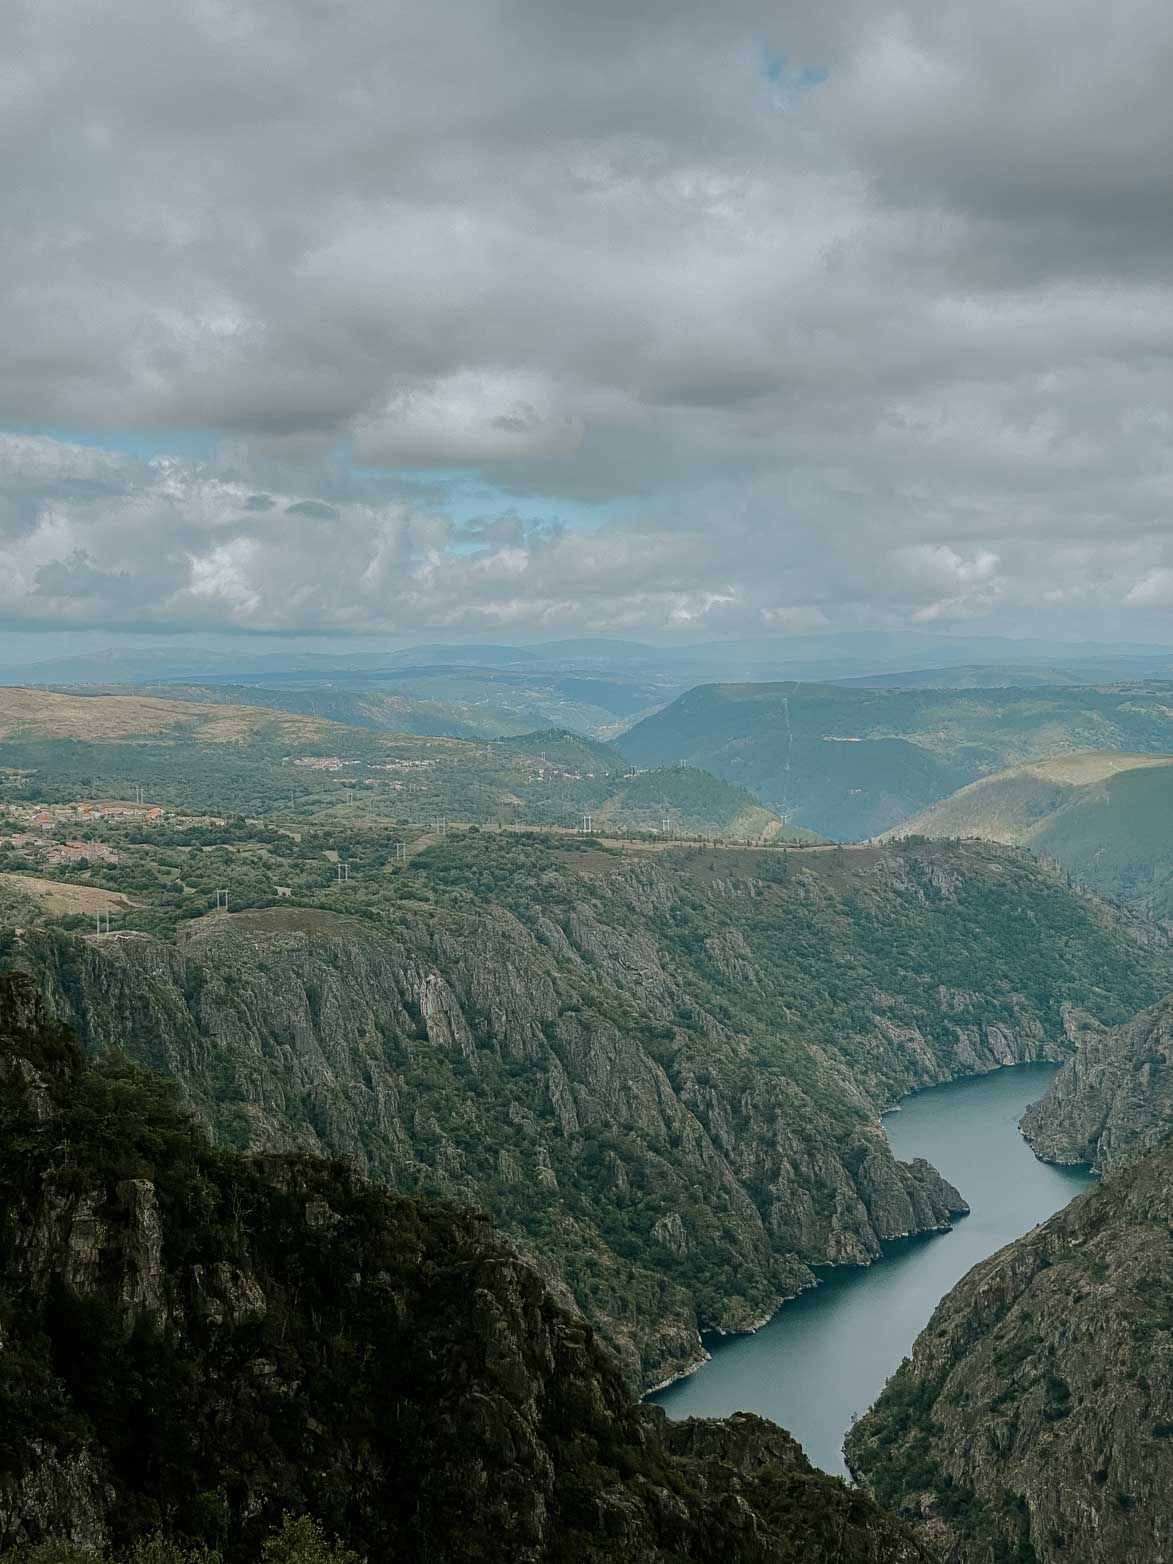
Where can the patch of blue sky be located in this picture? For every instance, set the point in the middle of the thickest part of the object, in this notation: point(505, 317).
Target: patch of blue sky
point(187, 444)
point(453, 492)
point(788, 78)
point(469, 497)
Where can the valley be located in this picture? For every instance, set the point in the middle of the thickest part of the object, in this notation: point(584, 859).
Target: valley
point(1034, 1416)
point(855, 762)
point(646, 1024)
point(586, 783)
point(660, 1071)
point(260, 1355)
point(823, 1359)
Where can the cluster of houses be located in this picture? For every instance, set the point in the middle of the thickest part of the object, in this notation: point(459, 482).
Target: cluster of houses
point(33, 820)
point(75, 852)
point(322, 762)
point(70, 852)
point(42, 818)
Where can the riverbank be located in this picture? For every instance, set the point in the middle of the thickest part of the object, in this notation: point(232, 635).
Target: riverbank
point(825, 1356)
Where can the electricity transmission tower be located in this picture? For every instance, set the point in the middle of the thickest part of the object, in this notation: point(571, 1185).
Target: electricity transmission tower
point(222, 901)
point(587, 825)
point(102, 920)
point(343, 873)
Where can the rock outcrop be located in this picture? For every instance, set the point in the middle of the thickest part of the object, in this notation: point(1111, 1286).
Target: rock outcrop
point(1034, 1420)
point(662, 1074)
point(194, 1341)
point(1113, 1100)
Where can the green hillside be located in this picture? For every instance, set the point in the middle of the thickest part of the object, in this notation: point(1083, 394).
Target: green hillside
point(852, 763)
point(1106, 818)
point(225, 759)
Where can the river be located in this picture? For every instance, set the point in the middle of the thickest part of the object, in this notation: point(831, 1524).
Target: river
point(825, 1355)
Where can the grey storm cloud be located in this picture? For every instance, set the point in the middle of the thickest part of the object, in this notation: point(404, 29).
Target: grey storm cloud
point(859, 313)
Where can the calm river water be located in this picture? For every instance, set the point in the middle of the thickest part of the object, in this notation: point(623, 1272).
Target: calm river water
point(826, 1355)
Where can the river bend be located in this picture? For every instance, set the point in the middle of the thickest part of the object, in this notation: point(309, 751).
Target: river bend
point(826, 1355)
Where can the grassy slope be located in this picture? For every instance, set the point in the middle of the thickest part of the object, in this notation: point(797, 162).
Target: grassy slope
point(389, 712)
point(44, 714)
point(1107, 818)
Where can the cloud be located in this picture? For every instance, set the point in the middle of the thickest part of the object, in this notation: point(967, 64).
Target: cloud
point(469, 420)
point(823, 306)
point(165, 545)
point(314, 508)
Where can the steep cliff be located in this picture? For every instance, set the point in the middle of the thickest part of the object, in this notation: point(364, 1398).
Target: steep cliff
point(662, 1073)
point(193, 1341)
point(1034, 1421)
point(1113, 1100)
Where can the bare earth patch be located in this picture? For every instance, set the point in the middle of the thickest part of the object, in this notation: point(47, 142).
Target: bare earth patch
point(60, 897)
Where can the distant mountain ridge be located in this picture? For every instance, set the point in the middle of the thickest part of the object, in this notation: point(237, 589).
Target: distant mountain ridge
point(813, 657)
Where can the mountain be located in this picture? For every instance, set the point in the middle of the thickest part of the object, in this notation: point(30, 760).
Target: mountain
point(93, 716)
point(660, 1071)
point(1034, 1420)
point(1113, 1099)
point(814, 658)
point(1105, 817)
point(196, 1343)
point(853, 763)
point(994, 676)
point(455, 699)
point(362, 708)
point(223, 759)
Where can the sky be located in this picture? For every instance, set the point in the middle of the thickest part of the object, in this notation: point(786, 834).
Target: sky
point(527, 318)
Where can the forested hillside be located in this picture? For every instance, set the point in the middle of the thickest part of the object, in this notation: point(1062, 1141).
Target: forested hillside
point(852, 763)
point(195, 1344)
point(661, 1071)
point(229, 760)
point(1034, 1421)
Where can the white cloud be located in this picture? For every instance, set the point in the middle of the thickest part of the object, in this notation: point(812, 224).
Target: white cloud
point(468, 419)
point(841, 301)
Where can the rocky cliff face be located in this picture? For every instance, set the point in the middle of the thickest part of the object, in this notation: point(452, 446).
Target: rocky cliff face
point(1034, 1420)
point(193, 1341)
point(663, 1075)
point(1113, 1100)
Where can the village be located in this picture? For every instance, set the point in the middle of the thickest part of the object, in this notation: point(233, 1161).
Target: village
point(26, 827)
